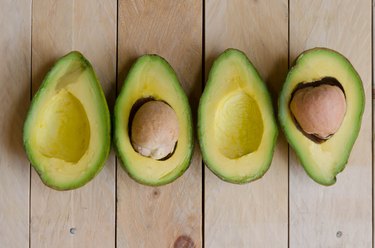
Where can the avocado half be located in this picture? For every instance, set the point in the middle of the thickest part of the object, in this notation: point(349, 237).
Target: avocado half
point(237, 129)
point(151, 78)
point(323, 160)
point(67, 129)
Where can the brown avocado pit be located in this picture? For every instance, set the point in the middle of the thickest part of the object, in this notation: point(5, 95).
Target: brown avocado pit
point(318, 108)
point(154, 129)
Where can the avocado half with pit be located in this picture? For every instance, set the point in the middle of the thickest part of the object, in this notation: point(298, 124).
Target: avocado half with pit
point(320, 110)
point(237, 130)
point(153, 131)
point(67, 129)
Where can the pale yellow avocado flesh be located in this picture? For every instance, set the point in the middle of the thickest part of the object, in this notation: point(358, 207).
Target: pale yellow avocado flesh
point(65, 126)
point(152, 77)
point(236, 125)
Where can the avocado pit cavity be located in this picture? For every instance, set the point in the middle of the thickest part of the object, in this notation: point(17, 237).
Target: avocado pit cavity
point(154, 130)
point(319, 110)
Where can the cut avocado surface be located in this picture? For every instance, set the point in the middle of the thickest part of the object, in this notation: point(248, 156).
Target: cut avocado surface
point(323, 159)
point(152, 83)
point(67, 129)
point(237, 130)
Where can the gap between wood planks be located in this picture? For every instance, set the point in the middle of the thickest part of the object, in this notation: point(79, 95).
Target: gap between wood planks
point(202, 88)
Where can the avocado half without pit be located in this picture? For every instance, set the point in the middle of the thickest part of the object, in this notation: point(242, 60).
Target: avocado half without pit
point(67, 129)
point(237, 130)
point(320, 110)
point(153, 131)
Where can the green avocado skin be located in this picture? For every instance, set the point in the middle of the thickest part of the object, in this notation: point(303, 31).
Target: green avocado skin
point(105, 119)
point(126, 162)
point(339, 166)
point(206, 95)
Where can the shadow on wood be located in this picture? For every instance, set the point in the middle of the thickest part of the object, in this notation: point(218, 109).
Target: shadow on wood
point(14, 125)
point(275, 79)
point(123, 73)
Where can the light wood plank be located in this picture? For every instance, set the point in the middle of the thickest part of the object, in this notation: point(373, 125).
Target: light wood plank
point(15, 50)
point(171, 215)
point(255, 214)
point(340, 215)
point(90, 27)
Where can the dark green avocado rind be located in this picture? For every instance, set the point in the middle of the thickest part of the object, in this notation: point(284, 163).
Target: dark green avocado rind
point(355, 128)
point(104, 152)
point(125, 162)
point(238, 180)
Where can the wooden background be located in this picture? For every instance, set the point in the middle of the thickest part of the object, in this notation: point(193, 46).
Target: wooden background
point(283, 209)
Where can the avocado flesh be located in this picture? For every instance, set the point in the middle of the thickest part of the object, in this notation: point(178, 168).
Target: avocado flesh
point(67, 129)
point(237, 130)
point(151, 77)
point(239, 125)
point(323, 161)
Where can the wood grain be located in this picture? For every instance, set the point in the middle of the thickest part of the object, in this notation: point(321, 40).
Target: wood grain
point(15, 50)
point(83, 217)
point(340, 215)
point(171, 215)
point(255, 214)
